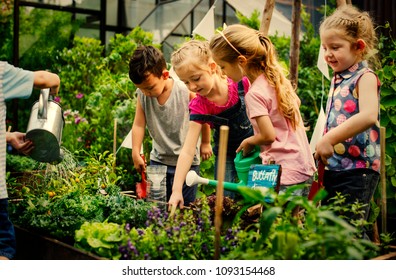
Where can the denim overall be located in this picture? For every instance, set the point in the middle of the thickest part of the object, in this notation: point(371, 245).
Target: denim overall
point(235, 118)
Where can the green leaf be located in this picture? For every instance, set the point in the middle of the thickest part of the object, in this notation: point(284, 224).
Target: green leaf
point(392, 54)
point(267, 219)
point(389, 101)
point(393, 181)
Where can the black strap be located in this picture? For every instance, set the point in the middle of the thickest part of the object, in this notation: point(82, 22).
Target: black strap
point(241, 89)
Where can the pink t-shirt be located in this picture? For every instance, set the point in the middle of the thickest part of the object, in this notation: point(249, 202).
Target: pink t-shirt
point(291, 148)
point(202, 106)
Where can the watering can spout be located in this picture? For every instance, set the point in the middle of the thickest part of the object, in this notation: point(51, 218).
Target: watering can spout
point(193, 178)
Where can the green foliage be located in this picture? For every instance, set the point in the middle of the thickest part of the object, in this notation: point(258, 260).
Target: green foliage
point(318, 234)
point(387, 76)
point(79, 68)
point(19, 163)
point(76, 194)
point(253, 21)
point(101, 239)
point(6, 13)
point(187, 235)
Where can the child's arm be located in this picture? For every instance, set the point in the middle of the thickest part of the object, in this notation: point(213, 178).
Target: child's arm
point(184, 164)
point(138, 131)
point(45, 79)
point(206, 147)
point(264, 136)
point(367, 117)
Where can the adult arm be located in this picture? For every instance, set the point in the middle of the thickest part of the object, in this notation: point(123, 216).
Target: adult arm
point(45, 79)
point(18, 141)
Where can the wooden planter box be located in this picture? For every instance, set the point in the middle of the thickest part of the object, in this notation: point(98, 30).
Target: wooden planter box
point(32, 246)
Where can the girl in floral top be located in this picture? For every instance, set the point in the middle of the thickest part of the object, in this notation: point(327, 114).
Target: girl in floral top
point(350, 146)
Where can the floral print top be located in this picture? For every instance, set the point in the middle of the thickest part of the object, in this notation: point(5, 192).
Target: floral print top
point(362, 150)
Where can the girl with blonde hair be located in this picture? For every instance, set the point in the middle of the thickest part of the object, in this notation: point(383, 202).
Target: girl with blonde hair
point(350, 146)
point(271, 102)
point(219, 101)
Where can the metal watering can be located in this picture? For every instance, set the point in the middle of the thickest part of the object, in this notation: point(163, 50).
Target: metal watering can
point(45, 129)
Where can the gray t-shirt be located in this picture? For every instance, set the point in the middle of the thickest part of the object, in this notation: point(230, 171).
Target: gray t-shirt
point(168, 124)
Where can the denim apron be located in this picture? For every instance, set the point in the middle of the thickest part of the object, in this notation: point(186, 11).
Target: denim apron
point(235, 118)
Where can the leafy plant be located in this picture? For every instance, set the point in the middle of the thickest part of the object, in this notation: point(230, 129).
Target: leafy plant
point(320, 234)
point(387, 76)
point(68, 197)
point(186, 235)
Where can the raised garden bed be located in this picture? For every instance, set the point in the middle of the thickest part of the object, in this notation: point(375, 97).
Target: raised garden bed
point(33, 246)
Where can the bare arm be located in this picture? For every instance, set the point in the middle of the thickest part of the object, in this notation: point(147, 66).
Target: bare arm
point(45, 79)
point(367, 116)
point(138, 132)
point(184, 164)
point(206, 147)
point(265, 135)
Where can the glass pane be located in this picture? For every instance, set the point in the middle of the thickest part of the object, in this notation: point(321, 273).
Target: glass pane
point(85, 4)
point(167, 17)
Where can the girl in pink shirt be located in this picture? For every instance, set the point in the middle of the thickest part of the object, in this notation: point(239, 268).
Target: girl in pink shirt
point(219, 101)
point(271, 102)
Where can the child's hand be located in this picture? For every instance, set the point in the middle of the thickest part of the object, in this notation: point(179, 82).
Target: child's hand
point(245, 147)
point(176, 199)
point(206, 151)
point(323, 150)
point(139, 164)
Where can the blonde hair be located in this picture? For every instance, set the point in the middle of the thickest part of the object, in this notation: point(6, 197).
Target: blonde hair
point(237, 40)
point(193, 54)
point(354, 24)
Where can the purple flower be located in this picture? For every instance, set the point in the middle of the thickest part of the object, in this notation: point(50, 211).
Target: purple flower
point(128, 227)
point(57, 99)
point(79, 95)
point(67, 113)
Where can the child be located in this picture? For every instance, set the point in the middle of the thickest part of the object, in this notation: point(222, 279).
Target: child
point(350, 146)
point(15, 83)
point(271, 103)
point(162, 106)
point(219, 101)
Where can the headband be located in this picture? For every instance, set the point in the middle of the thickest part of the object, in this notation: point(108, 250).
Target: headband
point(228, 42)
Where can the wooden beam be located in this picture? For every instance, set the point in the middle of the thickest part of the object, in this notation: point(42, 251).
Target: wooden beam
point(295, 42)
point(343, 2)
point(267, 16)
point(222, 158)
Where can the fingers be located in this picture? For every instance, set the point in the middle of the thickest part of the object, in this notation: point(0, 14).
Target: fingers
point(173, 210)
point(324, 160)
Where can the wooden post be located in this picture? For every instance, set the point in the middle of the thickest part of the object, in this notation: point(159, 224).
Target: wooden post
point(343, 2)
point(383, 180)
point(115, 143)
point(220, 187)
point(267, 15)
point(295, 43)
